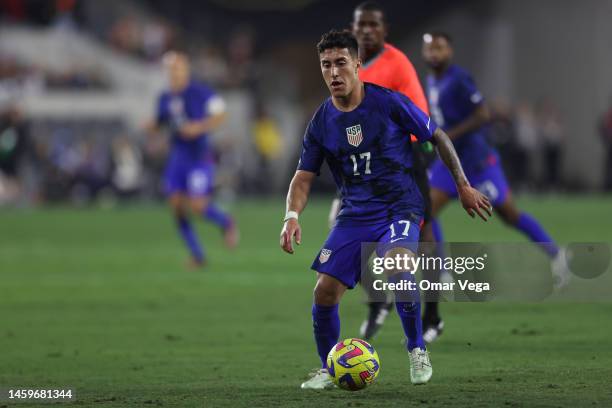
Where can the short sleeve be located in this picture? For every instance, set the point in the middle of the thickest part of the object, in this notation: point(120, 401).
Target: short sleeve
point(469, 91)
point(312, 155)
point(213, 102)
point(412, 119)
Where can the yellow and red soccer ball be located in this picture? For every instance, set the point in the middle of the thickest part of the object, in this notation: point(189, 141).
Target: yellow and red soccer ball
point(353, 364)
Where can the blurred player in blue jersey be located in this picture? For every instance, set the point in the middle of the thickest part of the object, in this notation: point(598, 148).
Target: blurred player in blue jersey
point(190, 111)
point(363, 133)
point(458, 107)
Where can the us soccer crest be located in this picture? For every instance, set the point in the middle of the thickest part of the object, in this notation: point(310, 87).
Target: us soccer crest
point(354, 135)
point(324, 256)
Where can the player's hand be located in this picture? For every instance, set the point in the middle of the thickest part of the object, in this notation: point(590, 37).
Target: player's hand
point(475, 202)
point(291, 229)
point(191, 130)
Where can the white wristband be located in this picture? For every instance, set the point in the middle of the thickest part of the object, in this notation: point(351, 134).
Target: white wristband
point(290, 215)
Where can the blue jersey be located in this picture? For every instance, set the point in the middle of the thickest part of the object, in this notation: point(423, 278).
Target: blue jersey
point(176, 109)
point(452, 99)
point(369, 153)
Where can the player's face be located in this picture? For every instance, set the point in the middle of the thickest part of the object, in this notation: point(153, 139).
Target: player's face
point(339, 69)
point(178, 72)
point(370, 30)
point(437, 52)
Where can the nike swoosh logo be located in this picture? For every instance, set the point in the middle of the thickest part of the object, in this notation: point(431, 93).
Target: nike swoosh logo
point(428, 120)
point(396, 239)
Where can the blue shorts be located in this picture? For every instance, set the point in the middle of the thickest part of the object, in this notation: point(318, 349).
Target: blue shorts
point(191, 177)
point(490, 181)
point(341, 255)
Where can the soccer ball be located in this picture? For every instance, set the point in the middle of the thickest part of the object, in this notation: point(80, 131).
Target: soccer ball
point(353, 364)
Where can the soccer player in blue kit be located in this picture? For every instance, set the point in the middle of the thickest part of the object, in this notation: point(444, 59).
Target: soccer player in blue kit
point(458, 107)
point(362, 132)
point(191, 111)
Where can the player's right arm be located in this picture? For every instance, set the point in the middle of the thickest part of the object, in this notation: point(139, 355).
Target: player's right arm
point(296, 202)
point(480, 114)
point(309, 165)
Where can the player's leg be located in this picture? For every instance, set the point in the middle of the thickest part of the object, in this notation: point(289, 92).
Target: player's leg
point(492, 182)
point(408, 307)
point(326, 326)
point(400, 239)
point(175, 184)
point(528, 225)
point(442, 190)
point(338, 268)
point(200, 184)
point(179, 204)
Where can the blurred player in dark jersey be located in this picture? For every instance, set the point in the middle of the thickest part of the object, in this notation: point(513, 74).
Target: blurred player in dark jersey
point(459, 108)
point(363, 133)
point(385, 65)
point(190, 111)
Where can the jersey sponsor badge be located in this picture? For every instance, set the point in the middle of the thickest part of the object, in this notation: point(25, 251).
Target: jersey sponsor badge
point(354, 135)
point(324, 256)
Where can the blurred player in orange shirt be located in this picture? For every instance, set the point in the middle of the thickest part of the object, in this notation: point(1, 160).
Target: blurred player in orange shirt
point(385, 65)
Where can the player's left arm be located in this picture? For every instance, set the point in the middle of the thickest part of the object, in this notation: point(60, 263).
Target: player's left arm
point(216, 115)
point(480, 115)
point(414, 120)
point(472, 200)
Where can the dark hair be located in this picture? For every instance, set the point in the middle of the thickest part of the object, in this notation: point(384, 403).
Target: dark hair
point(371, 6)
point(338, 39)
point(441, 34)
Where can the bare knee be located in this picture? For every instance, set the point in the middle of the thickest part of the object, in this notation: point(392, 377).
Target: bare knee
point(198, 205)
point(508, 213)
point(177, 206)
point(328, 291)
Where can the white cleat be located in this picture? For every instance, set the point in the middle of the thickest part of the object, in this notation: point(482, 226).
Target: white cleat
point(420, 366)
point(319, 380)
point(431, 333)
point(560, 272)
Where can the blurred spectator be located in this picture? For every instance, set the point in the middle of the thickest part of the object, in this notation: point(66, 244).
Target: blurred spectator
point(526, 145)
point(502, 136)
point(268, 144)
point(551, 136)
point(127, 167)
point(13, 148)
point(149, 39)
point(241, 67)
point(605, 130)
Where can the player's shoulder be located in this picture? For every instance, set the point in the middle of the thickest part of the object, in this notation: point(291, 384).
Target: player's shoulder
point(318, 118)
point(396, 55)
point(384, 94)
point(460, 73)
point(200, 88)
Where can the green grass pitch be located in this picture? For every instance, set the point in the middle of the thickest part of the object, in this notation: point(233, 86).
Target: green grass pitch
point(98, 300)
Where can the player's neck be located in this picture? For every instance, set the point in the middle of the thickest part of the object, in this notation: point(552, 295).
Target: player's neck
point(439, 72)
point(369, 55)
point(351, 101)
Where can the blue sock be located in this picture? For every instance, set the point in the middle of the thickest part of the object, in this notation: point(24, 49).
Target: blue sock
point(326, 324)
point(408, 306)
point(436, 229)
point(190, 238)
point(532, 228)
point(217, 216)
